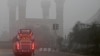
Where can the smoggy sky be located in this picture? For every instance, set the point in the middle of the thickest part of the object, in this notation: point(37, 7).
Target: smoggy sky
point(74, 10)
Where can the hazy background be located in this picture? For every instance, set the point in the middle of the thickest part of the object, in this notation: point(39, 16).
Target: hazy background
point(74, 10)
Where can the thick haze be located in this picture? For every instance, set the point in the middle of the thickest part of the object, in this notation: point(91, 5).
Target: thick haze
point(74, 10)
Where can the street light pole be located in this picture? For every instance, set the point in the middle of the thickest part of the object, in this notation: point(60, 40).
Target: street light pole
point(55, 28)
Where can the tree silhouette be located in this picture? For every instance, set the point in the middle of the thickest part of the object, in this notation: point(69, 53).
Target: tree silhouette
point(89, 37)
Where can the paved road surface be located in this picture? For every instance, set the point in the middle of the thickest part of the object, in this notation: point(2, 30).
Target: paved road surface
point(8, 52)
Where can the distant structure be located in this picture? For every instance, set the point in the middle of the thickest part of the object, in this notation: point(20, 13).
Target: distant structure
point(59, 9)
point(45, 4)
point(59, 13)
point(12, 4)
point(36, 24)
point(80, 26)
point(22, 9)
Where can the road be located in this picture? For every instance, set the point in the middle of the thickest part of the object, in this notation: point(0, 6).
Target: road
point(8, 52)
point(5, 50)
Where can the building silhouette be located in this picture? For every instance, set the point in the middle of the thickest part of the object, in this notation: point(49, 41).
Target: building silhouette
point(36, 24)
point(45, 5)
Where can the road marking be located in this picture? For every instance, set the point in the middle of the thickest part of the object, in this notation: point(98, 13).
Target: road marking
point(49, 49)
point(40, 49)
point(46, 49)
